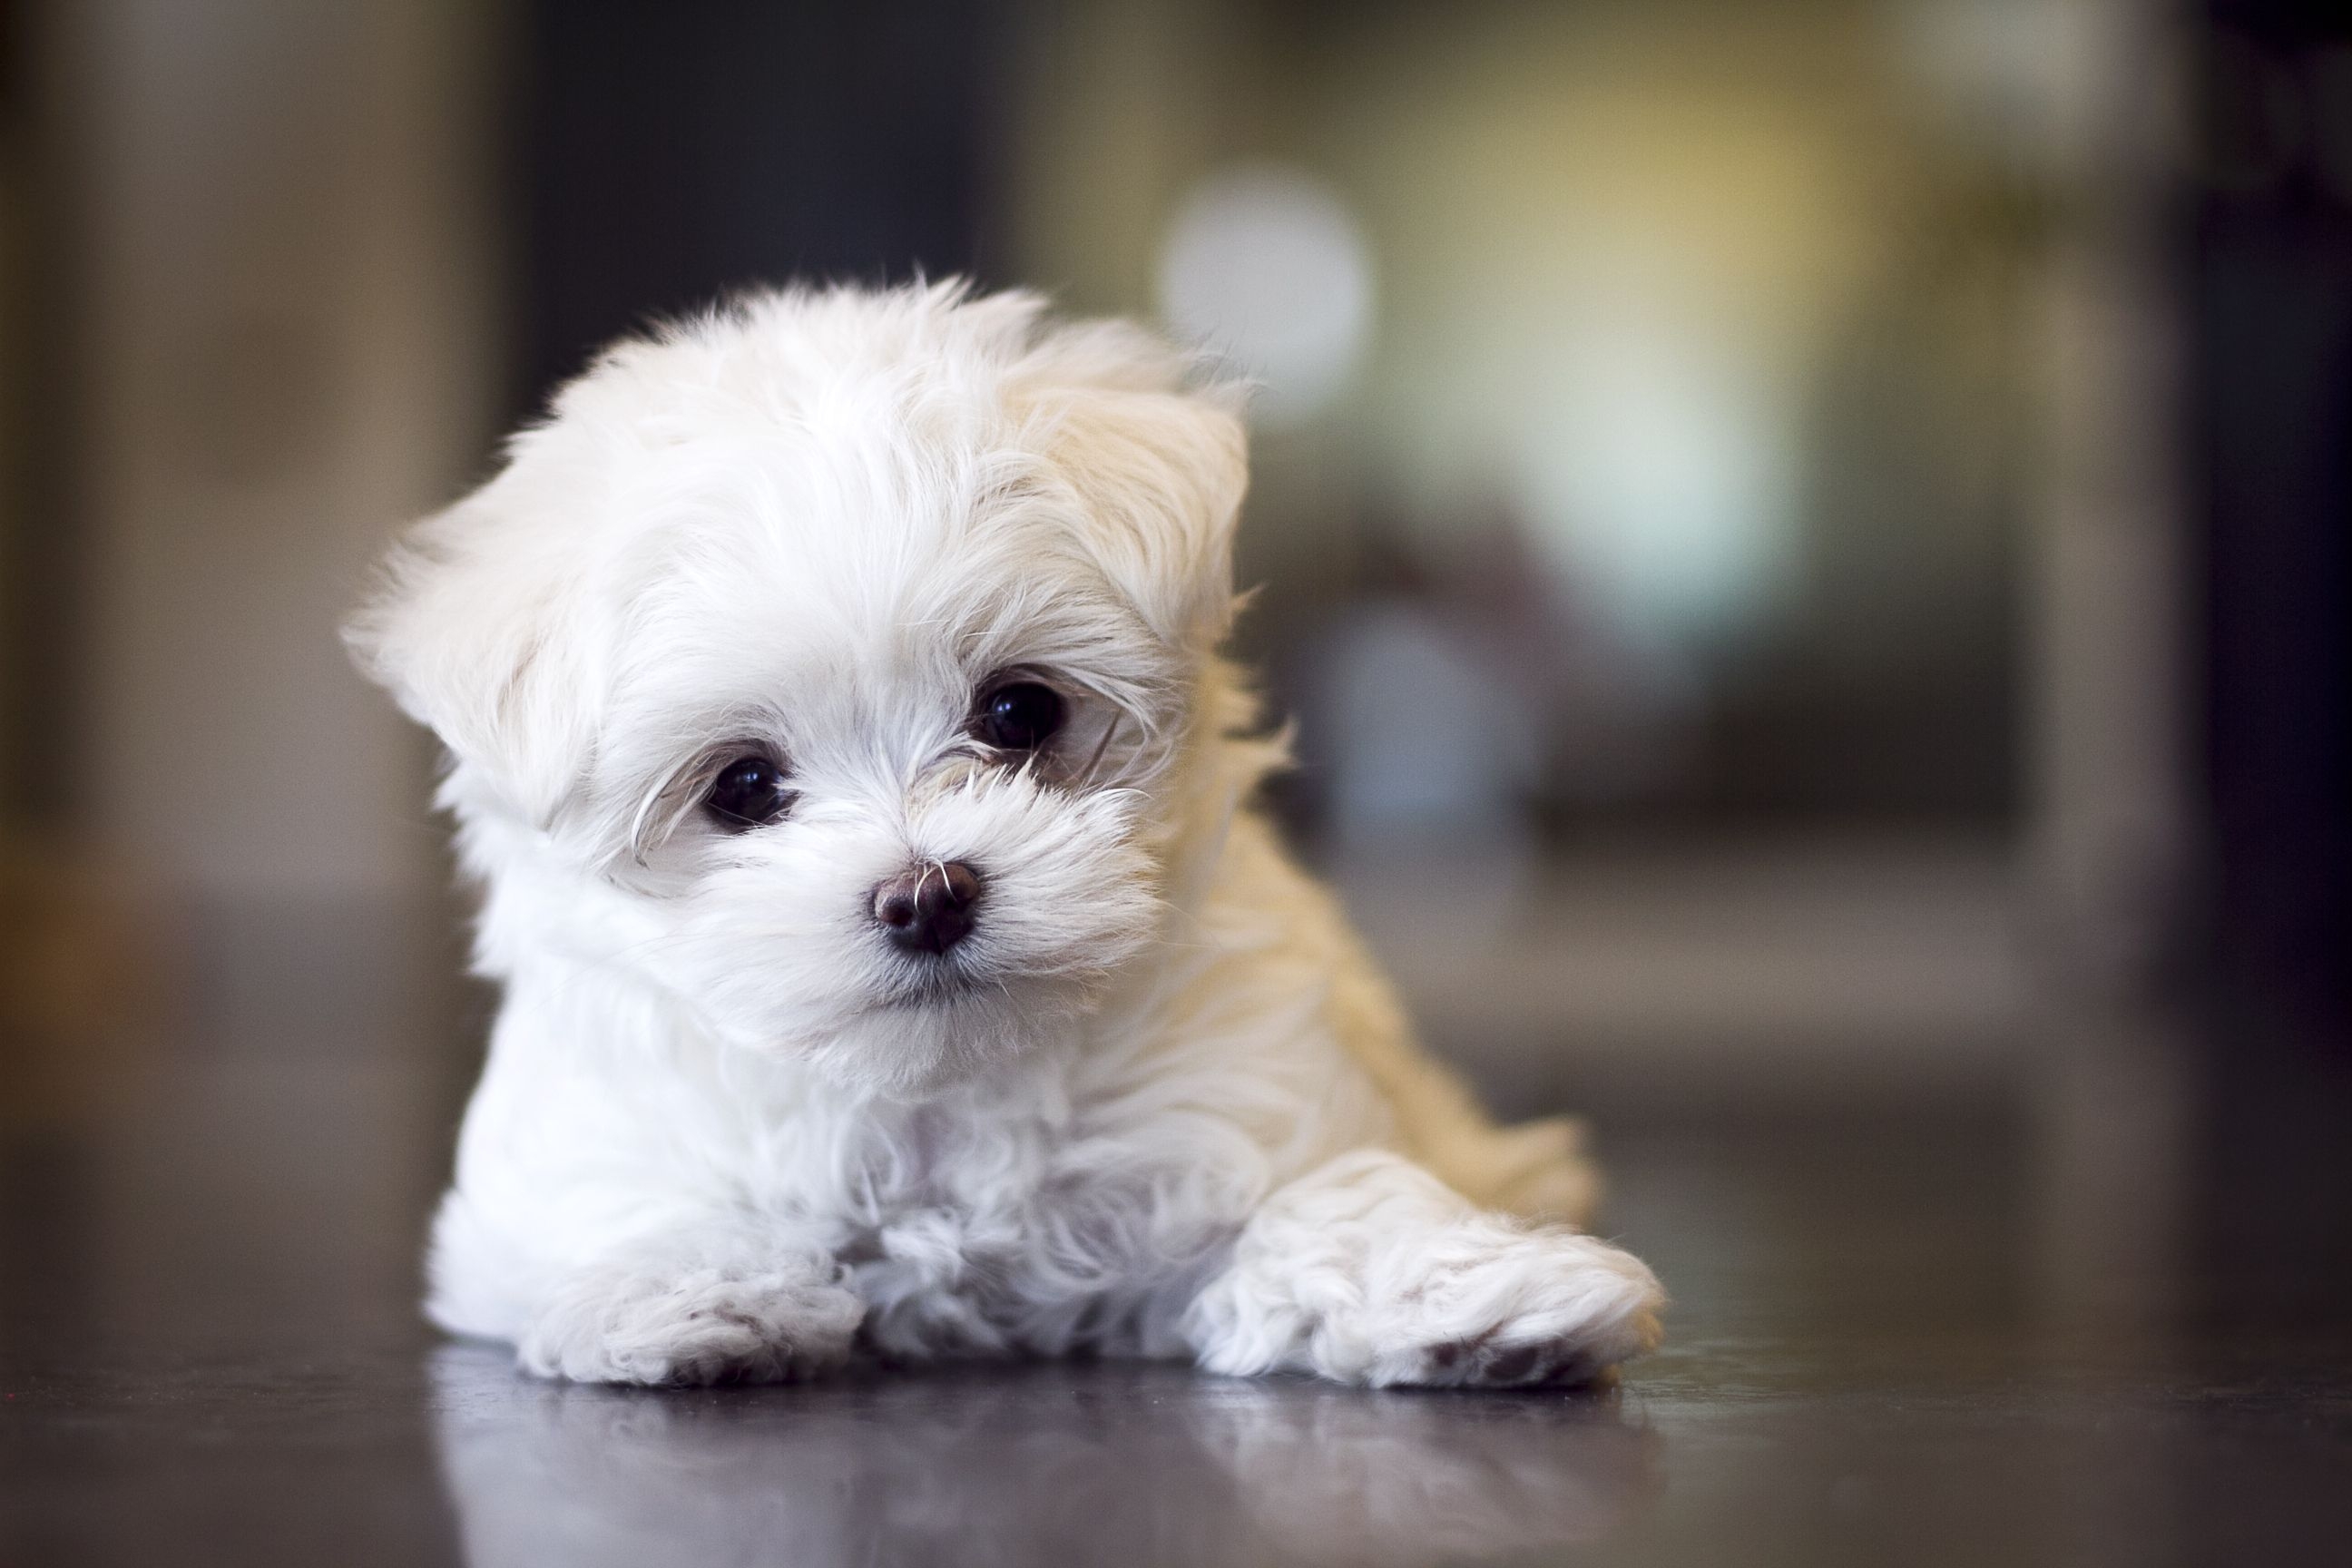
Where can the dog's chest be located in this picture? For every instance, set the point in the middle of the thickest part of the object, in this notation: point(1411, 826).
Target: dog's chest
point(980, 1233)
point(925, 1170)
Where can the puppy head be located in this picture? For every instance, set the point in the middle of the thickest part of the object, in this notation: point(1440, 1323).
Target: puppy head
point(833, 662)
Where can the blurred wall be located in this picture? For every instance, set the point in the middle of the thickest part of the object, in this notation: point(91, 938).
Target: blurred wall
point(1689, 351)
point(280, 245)
point(1721, 462)
point(662, 155)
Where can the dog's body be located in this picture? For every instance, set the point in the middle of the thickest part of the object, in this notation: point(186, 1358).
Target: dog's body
point(890, 955)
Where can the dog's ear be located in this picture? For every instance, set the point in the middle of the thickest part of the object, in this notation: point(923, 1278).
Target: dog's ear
point(474, 630)
point(1162, 472)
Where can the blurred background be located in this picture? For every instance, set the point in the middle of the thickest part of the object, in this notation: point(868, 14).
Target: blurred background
point(1805, 542)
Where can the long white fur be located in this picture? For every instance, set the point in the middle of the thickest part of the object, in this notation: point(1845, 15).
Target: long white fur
point(726, 1131)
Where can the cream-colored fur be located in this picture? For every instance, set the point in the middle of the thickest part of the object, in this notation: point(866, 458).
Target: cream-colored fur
point(1158, 1102)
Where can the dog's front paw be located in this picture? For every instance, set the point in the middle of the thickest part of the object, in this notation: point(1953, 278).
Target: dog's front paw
point(1510, 1310)
point(694, 1326)
point(1373, 1271)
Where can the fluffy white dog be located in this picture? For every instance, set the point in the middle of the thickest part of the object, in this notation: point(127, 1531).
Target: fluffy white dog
point(891, 958)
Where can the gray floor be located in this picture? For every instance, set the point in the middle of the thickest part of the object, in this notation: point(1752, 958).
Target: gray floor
point(208, 1354)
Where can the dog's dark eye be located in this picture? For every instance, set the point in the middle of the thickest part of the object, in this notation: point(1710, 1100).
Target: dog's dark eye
point(748, 793)
point(1018, 716)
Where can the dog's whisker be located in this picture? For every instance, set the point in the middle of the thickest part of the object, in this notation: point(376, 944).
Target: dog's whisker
point(1102, 745)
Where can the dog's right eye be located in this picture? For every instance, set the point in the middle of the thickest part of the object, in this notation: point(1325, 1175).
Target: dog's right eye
point(1019, 716)
point(748, 793)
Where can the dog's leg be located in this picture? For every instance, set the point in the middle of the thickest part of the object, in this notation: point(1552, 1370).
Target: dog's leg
point(694, 1310)
point(1372, 1270)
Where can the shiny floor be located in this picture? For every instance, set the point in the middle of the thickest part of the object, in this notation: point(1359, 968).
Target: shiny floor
point(1988, 1330)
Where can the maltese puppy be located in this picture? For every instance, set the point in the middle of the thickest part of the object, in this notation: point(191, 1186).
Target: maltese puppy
point(891, 958)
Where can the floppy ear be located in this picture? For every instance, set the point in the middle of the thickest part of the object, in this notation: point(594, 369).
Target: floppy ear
point(474, 629)
point(1161, 474)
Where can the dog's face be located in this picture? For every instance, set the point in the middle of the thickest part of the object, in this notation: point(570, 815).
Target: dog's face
point(834, 664)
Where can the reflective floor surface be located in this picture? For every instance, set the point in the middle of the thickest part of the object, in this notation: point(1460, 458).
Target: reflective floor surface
point(1986, 1332)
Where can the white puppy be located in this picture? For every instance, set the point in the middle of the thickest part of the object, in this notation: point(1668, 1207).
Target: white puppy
point(891, 958)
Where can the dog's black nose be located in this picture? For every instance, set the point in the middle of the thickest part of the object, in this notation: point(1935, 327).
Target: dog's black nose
point(930, 910)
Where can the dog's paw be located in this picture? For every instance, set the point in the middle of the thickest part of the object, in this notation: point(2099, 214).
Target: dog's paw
point(1371, 1270)
point(1504, 1309)
point(692, 1327)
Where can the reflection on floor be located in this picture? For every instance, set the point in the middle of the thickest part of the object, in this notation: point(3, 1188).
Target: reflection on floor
point(1970, 1332)
point(1115, 1464)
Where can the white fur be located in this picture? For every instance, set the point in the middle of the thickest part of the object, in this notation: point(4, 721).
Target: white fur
point(1159, 1103)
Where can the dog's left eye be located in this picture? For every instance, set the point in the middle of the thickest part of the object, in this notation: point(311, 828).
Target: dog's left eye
point(748, 793)
point(1020, 716)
